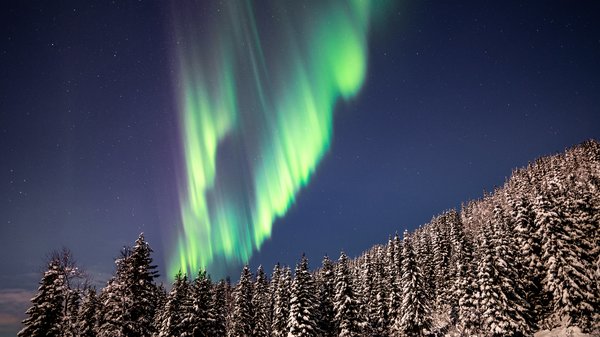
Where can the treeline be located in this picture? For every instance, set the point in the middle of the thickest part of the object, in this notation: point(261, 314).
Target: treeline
point(521, 259)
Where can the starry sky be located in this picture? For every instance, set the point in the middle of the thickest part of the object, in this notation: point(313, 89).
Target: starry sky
point(94, 139)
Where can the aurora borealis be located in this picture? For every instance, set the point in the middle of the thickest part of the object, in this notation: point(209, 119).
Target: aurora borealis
point(266, 106)
point(322, 125)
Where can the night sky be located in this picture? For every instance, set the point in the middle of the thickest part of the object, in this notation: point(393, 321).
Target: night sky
point(93, 122)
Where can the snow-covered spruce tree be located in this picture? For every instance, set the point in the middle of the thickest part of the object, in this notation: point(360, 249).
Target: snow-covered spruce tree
point(498, 305)
point(488, 291)
point(46, 313)
point(529, 251)
point(378, 305)
point(229, 304)
point(219, 295)
point(445, 305)
point(346, 306)
point(261, 304)
point(514, 312)
point(173, 317)
point(395, 293)
point(242, 323)
point(414, 310)
point(70, 326)
point(564, 222)
point(129, 301)
point(326, 291)
point(86, 317)
point(458, 245)
point(281, 304)
point(464, 284)
point(142, 288)
point(424, 254)
point(585, 217)
point(302, 321)
point(364, 287)
point(113, 302)
point(200, 318)
point(440, 232)
point(275, 279)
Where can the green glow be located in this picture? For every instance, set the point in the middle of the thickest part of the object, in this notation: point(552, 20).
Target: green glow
point(266, 94)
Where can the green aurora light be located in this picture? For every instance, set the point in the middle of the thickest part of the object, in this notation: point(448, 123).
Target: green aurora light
point(256, 109)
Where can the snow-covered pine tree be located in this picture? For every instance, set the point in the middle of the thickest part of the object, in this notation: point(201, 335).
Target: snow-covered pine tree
point(302, 321)
point(70, 326)
point(113, 302)
point(440, 232)
point(424, 255)
point(199, 320)
point(568, 269)
point(326, 294)
point(414, 310)
point(464, 282)
point(129, 301)
point(281, 304)
point(173, 317)
point(242, 316)
point(513, 310)
point(161, 303)
point(201, 314)
point(261, 304)
point(445, 303)
point(219, 295)
point(87, 315)
point(395, 296)
point(275, 279)
point(46, 313)
point(142, 289)
point(529, 252)
point(346, 306)
point(498, 306)
point(458, 244)
point(229, 289)
point(378, 305)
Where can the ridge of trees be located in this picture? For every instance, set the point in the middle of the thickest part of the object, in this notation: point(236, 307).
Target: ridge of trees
point(523, 258)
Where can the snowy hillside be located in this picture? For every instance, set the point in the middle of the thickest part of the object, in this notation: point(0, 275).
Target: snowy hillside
point(522, 261)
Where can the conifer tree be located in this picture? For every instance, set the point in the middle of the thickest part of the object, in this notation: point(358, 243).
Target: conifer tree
point(394, 274)
point(46, 313)
point(243, 310)
point(414, 310)
point(275, 279)
point(513, 311)
point(173, 317)
point(326, 295)
point(129, 301)
point(441, 258)
point(363, 286)
point(201, 314)
point(378, 305)
point(142, 289)
point(568, 271)
point(302, 320)
point(345, 304)
point(261, 302)
point(87, 315)
point(219, 295)
point(424, 254)
point(70, 326)
point(464, 283)
point(281, 305)
point(528, 241)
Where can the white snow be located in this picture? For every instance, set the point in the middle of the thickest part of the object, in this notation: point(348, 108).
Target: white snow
point(563, 332)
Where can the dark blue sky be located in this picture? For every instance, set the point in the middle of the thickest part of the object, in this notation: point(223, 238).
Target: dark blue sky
point(456, 96)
